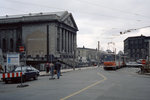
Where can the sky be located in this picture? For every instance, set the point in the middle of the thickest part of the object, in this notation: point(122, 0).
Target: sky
point(97, 20)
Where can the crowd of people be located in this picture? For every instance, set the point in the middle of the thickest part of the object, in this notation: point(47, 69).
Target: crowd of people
point(53, 68)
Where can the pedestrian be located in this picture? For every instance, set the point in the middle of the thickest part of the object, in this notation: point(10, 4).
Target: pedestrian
point(58, 67)
point(1, 68)
point(52, 70)
point(47, 67)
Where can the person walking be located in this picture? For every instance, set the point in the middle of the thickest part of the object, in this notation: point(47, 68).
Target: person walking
point(1, 69)
point(52, 71)
point(47, 66)
point(58, 67)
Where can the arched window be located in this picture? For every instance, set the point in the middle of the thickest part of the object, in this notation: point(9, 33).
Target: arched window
point(11, 44)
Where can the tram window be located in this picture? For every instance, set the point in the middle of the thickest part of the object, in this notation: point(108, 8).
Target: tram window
point(109, 58)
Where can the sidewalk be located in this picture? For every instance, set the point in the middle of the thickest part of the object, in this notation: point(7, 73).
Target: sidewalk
point(143, 73)
point(43, 73)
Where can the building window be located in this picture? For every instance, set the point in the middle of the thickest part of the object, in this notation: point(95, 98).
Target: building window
point(58, 39)
point(4, 45)
point(58, 44)
point(11, 45)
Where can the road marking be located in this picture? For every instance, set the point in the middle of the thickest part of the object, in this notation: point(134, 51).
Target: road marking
point(98, 82)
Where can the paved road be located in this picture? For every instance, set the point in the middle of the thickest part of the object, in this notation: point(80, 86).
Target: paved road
point(87, 84)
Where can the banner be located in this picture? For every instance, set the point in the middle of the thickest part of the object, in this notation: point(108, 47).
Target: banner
point(13, 59)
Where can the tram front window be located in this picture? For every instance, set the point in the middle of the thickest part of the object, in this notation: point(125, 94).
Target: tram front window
point(109, 58)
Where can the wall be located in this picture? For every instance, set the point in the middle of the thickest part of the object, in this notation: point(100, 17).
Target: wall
point(35, 39)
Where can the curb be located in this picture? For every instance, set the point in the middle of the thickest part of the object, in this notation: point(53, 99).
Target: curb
point(143, 73)
point(48, 74)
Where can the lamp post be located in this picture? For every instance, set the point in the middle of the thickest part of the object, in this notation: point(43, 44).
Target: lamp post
point(47, 43)
point(98, 55)
point(74, 56)
point(148, 50)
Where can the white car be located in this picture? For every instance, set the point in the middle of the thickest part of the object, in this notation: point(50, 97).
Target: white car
point(133, 64)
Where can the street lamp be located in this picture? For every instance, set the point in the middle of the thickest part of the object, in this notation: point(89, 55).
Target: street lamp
point(98, 55)
point(74, 56)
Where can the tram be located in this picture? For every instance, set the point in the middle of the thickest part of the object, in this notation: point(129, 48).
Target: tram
point(113, 61)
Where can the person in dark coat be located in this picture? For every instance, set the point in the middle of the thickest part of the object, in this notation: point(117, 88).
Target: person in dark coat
point(52, 70)
point(1, 68)
point(47, 67)
point(58, 67)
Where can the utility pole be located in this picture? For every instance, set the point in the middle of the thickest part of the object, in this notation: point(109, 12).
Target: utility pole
point(148, 50)
point(98, 55)
point(47, 43)
point(74, 54)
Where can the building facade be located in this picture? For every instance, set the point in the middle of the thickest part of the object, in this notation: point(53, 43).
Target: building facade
point(41, 34)
point(137, 47)
point(89, 56)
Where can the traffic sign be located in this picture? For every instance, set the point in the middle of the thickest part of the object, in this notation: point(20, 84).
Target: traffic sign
point(21, 48)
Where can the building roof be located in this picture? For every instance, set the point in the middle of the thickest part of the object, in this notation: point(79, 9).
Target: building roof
point(38, 17)
point(136, 37)
point(87, 48)
point(32, 14)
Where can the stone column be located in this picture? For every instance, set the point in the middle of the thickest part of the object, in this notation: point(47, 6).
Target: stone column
point(67, 41)
point(64, 46)
point(62, 31)
point(60, 40)
point(72, 43)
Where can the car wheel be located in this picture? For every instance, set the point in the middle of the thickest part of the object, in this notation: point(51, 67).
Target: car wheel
point(35, 77)
point(105, 68)
point(23, 79)
point(6, 82)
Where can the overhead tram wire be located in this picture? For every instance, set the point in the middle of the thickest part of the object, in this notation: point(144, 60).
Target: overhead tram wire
point(122, 11)
point(33, 4)
point(39, 5)
point(87, 13)
point(13, 9)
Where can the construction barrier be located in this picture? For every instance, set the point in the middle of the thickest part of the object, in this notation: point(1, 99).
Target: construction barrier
point(0, 77)
point(10, 75)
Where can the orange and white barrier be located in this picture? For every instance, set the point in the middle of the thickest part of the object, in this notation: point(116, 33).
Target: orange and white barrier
point(10, 75)
point(0, 77)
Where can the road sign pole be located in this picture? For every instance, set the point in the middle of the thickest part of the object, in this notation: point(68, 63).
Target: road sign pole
point(21, 85)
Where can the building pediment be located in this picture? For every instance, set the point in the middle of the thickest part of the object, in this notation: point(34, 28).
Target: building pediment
point(69, 20)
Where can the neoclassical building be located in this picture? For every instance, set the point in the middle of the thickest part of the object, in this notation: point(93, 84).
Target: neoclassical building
point(41, 34)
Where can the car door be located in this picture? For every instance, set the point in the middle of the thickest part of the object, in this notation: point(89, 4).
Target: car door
point(33, 73)
point(29, 73)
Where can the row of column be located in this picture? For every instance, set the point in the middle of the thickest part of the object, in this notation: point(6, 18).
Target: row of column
point(66, 41)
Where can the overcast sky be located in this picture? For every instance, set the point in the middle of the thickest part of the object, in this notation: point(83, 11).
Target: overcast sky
point(97, 20)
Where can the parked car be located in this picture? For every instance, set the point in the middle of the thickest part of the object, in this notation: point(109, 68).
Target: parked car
point(133, 64)
point(28, 72)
